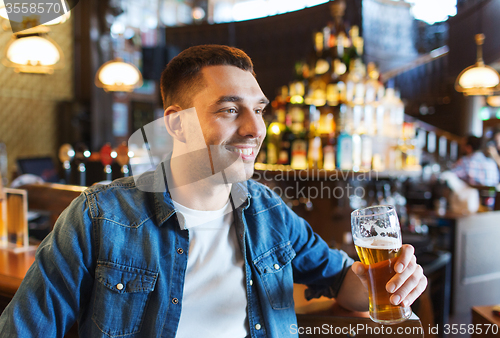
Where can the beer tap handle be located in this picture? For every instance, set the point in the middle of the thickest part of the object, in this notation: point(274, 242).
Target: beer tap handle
point(122, 158)
point(66, 155)
point(82, 154)
point(83, 173)
point(107, 160)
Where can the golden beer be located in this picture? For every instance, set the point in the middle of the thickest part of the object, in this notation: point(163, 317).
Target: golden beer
point(379, 256)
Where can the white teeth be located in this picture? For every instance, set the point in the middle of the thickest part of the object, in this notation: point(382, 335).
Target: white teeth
point(244, 151)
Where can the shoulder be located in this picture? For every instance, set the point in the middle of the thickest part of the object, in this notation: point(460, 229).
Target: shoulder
point(136, 185)
point(121, 201)
point(263, 199)
point(260, 190)
point(262, 193)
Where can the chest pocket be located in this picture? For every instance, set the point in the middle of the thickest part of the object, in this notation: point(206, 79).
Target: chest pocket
point(275, 269)
point(121, 294)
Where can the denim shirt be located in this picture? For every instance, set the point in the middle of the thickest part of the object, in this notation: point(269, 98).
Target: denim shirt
point(116, 261)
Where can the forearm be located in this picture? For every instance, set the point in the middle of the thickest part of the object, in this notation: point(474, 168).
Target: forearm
point(352, 294)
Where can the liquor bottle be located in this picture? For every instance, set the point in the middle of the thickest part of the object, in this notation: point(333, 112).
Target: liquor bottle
point(297, 91)
point(363, 125)
point(344, 151)
point(356, 152)
point(329, 157)
point(274, 134)
point(344, 140)
point(287, 139)
point(315, 153)
point(366, 152)
point(372, 84)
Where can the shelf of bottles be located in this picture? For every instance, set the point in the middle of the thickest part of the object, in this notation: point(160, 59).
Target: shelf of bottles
point(337, 115)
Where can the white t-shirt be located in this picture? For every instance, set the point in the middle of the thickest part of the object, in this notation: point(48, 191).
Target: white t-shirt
point(214, 300)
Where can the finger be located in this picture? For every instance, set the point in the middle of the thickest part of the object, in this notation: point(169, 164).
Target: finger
point(408, 286)
point(361, 271)
point(358, 268)
point(404, 259)
point(415, 293)
point(398, 279)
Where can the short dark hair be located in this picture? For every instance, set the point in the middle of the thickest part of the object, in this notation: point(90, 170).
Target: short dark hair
point(474, 142)
point(182, 75)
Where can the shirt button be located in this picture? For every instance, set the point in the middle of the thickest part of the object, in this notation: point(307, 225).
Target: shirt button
point(175, 300)
point(257, 326)
point(276, 266)
point(119, 286)
point(251, 282)
point(180, 251)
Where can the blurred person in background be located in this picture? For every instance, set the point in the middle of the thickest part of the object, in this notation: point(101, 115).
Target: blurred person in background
point(475, 168)
point(494, 147)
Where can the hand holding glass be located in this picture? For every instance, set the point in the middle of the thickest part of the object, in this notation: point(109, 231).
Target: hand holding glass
point(377, 238)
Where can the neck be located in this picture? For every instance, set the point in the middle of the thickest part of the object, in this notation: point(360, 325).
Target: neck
point(190, 188)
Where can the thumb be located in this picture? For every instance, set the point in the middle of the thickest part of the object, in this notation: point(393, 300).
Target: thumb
point(359, 270)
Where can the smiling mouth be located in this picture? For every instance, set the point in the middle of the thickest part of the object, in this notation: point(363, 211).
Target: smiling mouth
point(243, 151)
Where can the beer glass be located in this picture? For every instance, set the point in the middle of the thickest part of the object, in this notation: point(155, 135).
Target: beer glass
point(377, 238)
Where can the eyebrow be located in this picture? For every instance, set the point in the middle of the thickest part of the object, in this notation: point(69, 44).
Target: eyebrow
point(224, 99)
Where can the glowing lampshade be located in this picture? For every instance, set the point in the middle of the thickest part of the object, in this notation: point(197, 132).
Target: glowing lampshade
point(33, 54)
point(118, 76)
point(478, 79)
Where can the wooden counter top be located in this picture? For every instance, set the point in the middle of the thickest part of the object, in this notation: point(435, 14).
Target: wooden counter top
point(13, 268)
point(482, 316)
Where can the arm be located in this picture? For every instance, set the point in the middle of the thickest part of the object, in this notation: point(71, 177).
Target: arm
point(316, 265)
point(353, 295)
point(58, 283)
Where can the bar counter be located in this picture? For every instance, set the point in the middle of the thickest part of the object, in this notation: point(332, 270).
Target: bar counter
point(13, 268)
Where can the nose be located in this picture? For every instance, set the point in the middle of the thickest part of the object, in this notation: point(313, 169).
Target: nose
point(252, 125)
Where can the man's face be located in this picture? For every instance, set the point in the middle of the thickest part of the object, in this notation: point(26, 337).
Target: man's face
point(230, 106)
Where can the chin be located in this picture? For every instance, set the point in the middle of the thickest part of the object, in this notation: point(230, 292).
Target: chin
point(238, 172)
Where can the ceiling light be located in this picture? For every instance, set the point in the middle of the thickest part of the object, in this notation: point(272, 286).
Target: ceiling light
point(33, 54)
point(478, 79)
point(118, 76)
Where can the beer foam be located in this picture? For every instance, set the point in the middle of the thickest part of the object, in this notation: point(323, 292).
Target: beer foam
point(378, 243)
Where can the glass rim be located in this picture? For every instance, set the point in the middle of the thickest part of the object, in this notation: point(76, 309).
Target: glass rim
point(388, 206)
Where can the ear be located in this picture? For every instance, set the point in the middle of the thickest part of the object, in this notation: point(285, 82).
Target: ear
point(173, 123)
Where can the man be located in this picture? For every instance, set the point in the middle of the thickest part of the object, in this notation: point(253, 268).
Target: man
point(209, 254)
point(494, 147)
point(475, 168)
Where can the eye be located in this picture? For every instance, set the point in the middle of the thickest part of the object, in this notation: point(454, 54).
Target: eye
point(260, 111)
point(229, 110)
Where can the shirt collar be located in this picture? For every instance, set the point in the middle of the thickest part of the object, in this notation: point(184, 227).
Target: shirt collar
point(156, 182)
